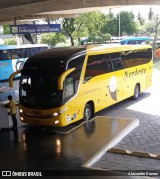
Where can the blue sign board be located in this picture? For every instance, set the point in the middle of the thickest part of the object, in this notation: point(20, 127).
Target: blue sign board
point(35, 28)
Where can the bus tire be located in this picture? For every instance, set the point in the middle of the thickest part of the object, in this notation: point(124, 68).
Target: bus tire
point(136, 92)
point(87, 112)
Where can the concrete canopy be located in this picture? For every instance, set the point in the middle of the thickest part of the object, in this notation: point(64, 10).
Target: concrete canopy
point(36, 9)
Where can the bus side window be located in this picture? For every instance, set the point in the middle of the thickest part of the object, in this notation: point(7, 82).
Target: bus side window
point(34, 51)
point(130, 42)
point(97, 65)
point(14, 54)
point(23, 53)
point(76, 63)
point(5, 54)
point(118, 64)
point(68, 88)
point(92, 68)
point(106, 64)
point(117, 61)
point(149, 53)
point(42, 48)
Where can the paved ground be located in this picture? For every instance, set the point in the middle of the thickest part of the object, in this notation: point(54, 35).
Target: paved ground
point(6, 83)
point(145, 138)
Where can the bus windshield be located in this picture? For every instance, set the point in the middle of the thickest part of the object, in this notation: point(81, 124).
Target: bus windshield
point(39, 91)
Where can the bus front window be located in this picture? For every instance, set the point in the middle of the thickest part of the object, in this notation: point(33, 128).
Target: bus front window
point(39, 91)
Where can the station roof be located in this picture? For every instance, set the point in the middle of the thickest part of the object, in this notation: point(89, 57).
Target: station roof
point(36, 9)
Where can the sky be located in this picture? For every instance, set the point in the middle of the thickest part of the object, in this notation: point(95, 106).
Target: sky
point(144, 10)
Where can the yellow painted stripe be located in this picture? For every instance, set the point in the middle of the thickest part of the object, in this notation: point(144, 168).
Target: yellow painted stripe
point(134, 153)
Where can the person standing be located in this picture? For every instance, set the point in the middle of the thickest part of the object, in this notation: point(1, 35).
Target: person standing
point(12, 106)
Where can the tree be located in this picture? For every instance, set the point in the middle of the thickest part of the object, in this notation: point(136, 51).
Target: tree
point(86, 24)
point(127, 23)
point(157, 23)
point(52, 39)
point(109, 25)
point(92, 23)
point(141, 20)
point(150, 14)
point(101, 38)
point(141, 29)
point(150, 27)
point(69, 28)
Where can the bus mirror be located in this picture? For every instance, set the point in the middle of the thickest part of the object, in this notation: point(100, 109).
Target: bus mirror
point(12, 76)
point(62, 78)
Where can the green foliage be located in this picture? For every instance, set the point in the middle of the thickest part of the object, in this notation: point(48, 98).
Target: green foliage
point(101, 38)
point(52, 39)
point(127, 23)
point(69, 28)
point(85, 25)
point(106, 37)
point(150, 14)
point(96, 26)
point(11, 41)
point(141, 20)
point(150, 26)
point(109, 25)
point(141, 29)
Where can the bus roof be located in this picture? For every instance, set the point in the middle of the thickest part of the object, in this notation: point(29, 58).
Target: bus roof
point(59, 57)
point(65, 53)
point(109, 48)
point(8, 47)
point(60, 53)
point(135, 39)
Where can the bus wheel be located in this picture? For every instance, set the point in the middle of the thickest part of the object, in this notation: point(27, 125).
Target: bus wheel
point(87, 112)
point(136, 92)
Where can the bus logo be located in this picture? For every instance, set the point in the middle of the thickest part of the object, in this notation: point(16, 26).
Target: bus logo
point(113, 88)
point(19, 65)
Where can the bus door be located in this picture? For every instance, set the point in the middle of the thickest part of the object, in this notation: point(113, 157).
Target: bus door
point(71, 88)
point(69, 98)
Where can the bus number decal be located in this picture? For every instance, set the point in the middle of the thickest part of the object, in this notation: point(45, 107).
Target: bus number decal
point(4, 64)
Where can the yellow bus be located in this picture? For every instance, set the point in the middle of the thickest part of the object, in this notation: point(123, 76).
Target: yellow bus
point(63, 85)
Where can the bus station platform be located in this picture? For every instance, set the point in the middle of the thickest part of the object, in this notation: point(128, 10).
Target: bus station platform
point(81, 150)
point(36, 148)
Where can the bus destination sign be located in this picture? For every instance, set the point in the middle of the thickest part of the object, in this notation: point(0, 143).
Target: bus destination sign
point(35, 28)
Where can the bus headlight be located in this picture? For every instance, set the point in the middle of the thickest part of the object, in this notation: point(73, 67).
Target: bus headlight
point(57, 121)
point(60, 112)
point(55, 114)
point(21, 110)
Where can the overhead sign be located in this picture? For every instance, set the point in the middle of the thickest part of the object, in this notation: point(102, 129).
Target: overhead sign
point(34, 28)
